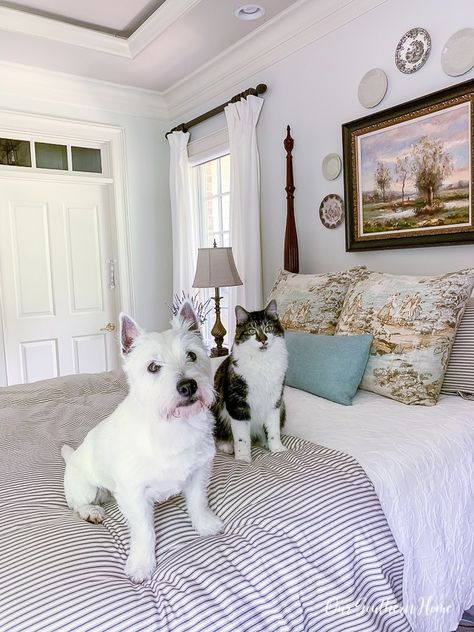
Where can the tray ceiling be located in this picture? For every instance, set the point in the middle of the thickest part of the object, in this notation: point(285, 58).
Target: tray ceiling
point(118, 17)
point(154, 51)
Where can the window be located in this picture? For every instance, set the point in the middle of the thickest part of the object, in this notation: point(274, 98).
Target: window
point(49, 156)
point(86, 159)
point(44, 155)
point(212, 196)
point(15, 152)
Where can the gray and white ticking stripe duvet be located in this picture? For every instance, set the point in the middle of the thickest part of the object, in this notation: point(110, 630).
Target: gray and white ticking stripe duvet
point(306, 545)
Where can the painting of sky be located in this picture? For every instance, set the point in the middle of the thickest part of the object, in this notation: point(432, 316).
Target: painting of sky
point(451, 126)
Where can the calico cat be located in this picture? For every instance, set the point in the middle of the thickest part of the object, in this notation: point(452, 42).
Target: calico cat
point(249, 385)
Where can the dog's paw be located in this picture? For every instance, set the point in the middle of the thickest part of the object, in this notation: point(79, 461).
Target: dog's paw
point(207, 523)
point(92, 513)
point(139, 570)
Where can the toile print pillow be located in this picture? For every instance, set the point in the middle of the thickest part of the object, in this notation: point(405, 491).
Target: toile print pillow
point(312, 302)
point(414, 320)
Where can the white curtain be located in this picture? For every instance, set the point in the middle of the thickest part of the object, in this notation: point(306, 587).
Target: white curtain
point(184, 225)
point(242, 120)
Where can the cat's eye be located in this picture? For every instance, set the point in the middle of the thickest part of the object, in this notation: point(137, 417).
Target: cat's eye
point(191, 356)
point(252, 331)
point(153, 367)
point(269, 328)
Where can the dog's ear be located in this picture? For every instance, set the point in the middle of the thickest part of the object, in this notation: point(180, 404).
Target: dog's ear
point(129, 331)
point(188, 315)
point(271, 309)
point(241, 314)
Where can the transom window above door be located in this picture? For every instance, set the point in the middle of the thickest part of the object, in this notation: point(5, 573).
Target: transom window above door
point(41, 154)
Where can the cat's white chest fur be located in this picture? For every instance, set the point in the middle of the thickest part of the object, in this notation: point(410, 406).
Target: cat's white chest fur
point(263, 372)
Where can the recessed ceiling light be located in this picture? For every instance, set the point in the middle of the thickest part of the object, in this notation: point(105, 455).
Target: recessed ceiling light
point(249, 12)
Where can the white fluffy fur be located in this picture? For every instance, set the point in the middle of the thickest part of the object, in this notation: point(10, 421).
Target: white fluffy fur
point(150, 447)
point(264, 370)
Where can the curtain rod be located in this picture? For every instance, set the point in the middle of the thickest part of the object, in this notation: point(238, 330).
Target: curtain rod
point(184, 127)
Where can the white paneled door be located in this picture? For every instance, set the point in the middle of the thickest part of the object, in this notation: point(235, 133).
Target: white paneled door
point(56, 283)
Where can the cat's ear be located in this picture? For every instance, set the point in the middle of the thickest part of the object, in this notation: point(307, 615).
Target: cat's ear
point(241, 315)
point(271, 309)
point(129, 332)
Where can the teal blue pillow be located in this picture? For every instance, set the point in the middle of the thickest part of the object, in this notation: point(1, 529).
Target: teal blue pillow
point(329, 366)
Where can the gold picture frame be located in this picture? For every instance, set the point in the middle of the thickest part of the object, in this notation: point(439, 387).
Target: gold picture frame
point(409, 173)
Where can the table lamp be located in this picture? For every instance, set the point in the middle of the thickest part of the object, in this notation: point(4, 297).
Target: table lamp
point(216, 268)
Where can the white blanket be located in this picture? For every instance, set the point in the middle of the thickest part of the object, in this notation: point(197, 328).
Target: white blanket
point(421, 461)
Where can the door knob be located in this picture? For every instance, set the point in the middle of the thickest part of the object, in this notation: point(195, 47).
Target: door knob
point(108, 327)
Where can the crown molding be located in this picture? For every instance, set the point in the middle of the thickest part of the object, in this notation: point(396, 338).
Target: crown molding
point(298, 26)
point(157, 23)
point(40, 26)
point(26, 23)
point(291, 30)
point(26, 82)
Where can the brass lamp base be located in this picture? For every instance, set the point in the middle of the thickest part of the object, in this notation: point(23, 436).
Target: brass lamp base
point(218, 331)
point(219, 353)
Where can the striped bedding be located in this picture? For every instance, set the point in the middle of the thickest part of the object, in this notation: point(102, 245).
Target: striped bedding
point(459, 377)
point(306, 545)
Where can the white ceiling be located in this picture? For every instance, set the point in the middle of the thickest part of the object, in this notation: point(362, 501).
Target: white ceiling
point(179, 37)
point(121, 17)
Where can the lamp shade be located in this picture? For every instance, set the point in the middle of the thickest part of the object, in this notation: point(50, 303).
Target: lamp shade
point(216, 268)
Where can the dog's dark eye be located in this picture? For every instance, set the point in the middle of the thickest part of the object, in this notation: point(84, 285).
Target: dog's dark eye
point(153, 367)
point(191, 356)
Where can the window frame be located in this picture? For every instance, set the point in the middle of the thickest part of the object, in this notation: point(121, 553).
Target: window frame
point(68, 143)
point(200, 202)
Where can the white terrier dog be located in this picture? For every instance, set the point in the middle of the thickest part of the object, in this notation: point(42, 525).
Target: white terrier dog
point(157, 443)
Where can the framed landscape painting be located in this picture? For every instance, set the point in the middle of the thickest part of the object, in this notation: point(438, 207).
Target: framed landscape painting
point(409, 173)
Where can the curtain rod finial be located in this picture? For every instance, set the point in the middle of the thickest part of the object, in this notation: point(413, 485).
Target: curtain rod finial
point(179, 128)
point(288, 142)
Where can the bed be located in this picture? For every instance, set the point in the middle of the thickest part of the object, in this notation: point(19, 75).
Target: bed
point(305, 537)
point(421, 462)
point(307, 545)
point(365, 524)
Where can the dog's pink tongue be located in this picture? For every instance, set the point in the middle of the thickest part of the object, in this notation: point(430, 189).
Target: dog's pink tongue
point(188, 411)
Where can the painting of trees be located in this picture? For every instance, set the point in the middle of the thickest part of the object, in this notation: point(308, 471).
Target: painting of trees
point(382, 179)
point(430, 165)
point(408, 173)
point(402, 171)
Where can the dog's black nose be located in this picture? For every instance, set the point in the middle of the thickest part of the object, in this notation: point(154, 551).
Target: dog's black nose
point(186, 387)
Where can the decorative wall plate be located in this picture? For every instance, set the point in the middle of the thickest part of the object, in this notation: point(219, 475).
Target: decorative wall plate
point(331, 210)
point(413, 50)
point(331, 166)
point(372, 87)
point(457, 56)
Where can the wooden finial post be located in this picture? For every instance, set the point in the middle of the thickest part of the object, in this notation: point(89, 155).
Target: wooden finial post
point(291, 254)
